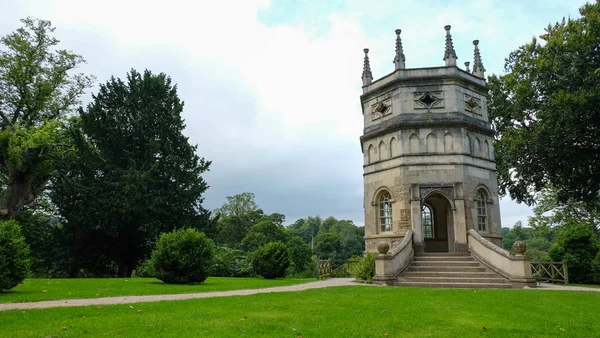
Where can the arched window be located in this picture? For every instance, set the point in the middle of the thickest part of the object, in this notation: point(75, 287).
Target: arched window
point(427, 222)
point(372, 154)
point(480, 202)
point(385, 211)
point(382, 151)
point(448, 142)
point(413, 144)
point(431, 143)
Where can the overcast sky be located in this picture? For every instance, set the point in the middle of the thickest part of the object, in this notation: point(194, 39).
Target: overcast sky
point(271, 88)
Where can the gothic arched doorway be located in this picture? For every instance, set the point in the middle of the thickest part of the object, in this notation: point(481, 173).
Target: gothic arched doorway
point(437, 223)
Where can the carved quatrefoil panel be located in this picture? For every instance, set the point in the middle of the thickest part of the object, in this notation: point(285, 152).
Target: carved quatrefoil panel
point(472, 104)
point(381, 108)
point(429, 100)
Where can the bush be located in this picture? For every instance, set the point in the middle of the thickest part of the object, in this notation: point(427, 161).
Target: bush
point(364, 270)
point(183, 257)
point(231, 263)
point(14, 255)
point(145, 269)
point(271, 260)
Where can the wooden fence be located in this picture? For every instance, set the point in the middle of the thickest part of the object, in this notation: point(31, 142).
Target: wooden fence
point(550, 272)
point(335, 268)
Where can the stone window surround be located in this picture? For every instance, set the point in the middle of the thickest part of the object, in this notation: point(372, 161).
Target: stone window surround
point(486, 196)
point(375, 204)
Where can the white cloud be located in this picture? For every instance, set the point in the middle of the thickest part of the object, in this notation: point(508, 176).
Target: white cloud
point(277, 107)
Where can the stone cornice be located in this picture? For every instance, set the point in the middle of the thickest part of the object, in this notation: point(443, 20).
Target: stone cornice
point(426, 120)
point(415, 76)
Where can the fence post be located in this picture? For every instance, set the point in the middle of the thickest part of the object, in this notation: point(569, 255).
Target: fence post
point(566, 272)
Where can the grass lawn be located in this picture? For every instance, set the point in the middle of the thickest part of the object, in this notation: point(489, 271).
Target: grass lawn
point(33, 289)
point(353, 311)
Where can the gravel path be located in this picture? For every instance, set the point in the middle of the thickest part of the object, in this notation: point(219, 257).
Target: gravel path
point(156, 298)
point(548, 286)
point(290, 288)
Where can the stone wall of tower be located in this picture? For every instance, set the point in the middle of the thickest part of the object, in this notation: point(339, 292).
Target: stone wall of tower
point(426, 130)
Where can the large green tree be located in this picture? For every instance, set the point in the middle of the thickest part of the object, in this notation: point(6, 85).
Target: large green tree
point(38, 87)
point(546, 110)
point(134, 176)
point(236, 217)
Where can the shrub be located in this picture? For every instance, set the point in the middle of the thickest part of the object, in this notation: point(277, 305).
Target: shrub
point(183, 257)
point(145, 269)
point(364, 270)
point(271, 260)
point(231, 263)
point(14, 255)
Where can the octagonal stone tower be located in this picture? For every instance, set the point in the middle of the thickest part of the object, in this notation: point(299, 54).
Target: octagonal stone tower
point(428, 157)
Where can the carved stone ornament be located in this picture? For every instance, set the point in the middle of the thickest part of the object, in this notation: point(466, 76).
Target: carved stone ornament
point(381, 108)
point(519, 248)
point(429, 100)
point(383, 247)
point(404, 222)
point(472, 104)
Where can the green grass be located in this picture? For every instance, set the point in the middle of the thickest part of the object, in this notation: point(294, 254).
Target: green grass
point(330, 312)
point(33, 290)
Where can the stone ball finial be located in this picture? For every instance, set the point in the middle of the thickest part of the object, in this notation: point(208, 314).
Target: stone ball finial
point(383, 247)
point(366, 50)
point(398, 31)
point(447, 27)
point(475, 42)
point(519, 248)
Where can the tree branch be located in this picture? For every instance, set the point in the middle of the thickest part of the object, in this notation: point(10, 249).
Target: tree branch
point(7, 120)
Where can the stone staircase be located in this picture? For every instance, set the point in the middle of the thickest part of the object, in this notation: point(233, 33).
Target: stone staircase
point(449, 270)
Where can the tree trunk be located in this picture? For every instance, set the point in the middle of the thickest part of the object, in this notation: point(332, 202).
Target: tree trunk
point(19, 192)
point(125, 270)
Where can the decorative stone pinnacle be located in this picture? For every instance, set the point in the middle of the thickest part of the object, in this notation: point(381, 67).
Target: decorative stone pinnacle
point(467, 66)
point(399, 58)
point(367, 76)
point(478, 69)
point(450, 53)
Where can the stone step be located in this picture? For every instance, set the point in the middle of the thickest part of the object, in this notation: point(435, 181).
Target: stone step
point(456, 285)
point(424, 254)
point(447, 268)
point(448, 274)
point(492, 280)
point(443, 258)
point(445, 263)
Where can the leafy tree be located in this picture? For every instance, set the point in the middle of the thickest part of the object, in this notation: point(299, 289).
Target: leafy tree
point(577, 245)
point(545, 110)
point(327, 246)
point(37, 89)
point(300, 253)
point(262, 233)
point(307, 229)
point(134, 174)
point(238, 205)
point(231, 230)
point(46, 237)
point(235, 218)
